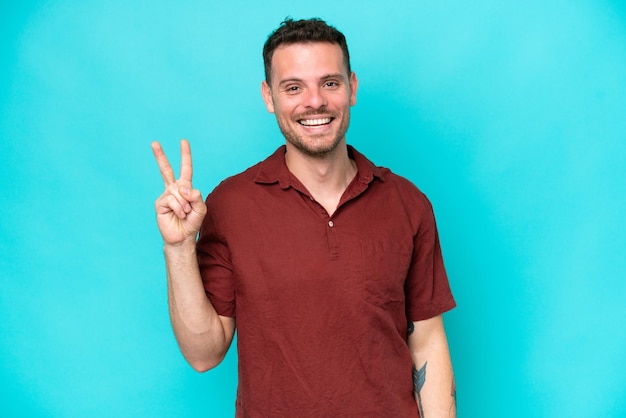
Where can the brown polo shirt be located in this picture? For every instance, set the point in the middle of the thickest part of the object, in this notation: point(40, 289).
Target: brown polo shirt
point(322, 303)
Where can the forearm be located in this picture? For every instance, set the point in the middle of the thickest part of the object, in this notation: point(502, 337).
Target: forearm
point(433, 377)
point(202, 335)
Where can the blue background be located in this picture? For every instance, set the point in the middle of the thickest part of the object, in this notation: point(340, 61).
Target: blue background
point(510, 116)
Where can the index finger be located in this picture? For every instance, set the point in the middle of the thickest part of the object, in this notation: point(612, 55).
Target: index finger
point(164, 165)
point(186, 169)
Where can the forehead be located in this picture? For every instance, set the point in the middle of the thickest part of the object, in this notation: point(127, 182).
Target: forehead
point(304, 60)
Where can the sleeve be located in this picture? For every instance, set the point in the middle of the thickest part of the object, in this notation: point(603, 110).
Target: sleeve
point(215, 263)
point(427, 289)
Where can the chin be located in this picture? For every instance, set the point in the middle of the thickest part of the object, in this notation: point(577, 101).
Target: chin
point(318, 150)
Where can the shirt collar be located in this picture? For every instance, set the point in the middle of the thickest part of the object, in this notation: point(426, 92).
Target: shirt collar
point(274, 169)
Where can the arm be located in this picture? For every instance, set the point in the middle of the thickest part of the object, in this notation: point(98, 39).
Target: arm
point(433, 378)
point(202, 335)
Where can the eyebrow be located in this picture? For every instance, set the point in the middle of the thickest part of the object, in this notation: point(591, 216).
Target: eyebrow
point(325, 77)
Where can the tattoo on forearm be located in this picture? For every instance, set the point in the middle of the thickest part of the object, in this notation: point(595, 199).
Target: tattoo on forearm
point(453, 394)
point(410, 328)
point(419, 378)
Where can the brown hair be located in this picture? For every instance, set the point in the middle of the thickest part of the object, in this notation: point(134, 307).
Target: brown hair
point(302, 31)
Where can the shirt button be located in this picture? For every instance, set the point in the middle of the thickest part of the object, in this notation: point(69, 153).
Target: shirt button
point(331, 223)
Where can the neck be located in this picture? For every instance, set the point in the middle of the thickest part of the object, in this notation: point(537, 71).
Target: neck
point(325, 178)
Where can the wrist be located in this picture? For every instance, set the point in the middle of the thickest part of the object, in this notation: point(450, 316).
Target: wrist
point(188, 246)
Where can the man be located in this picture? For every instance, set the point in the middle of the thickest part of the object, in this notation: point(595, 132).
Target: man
point(322, 258)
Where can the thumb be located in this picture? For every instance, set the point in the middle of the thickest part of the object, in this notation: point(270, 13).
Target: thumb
point(187, 202)
point(184, 191)
point(194, 199)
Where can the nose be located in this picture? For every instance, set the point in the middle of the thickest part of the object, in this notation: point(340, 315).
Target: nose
point(314, 98)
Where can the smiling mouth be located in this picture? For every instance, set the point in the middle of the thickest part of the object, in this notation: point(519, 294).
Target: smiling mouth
point(315, 122)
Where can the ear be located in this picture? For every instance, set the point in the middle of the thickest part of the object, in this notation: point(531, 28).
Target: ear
point(354, 85)
point(267, 96)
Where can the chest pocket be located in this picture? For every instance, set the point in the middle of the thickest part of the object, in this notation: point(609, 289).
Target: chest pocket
point(385, 267)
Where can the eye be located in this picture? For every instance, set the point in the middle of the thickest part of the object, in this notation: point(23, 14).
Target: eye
point(331, 84)
point(292, 89)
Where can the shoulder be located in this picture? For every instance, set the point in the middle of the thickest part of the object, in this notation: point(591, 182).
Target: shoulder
point(405, 190)
point(272, 170)
point(234, 187)
point(391, 187)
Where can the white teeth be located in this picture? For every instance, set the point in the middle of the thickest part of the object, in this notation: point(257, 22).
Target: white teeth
point(314, 122)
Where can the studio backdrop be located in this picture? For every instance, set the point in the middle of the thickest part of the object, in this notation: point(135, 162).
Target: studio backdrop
point(509, 116)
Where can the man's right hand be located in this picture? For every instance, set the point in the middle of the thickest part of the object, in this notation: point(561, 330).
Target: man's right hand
point(180, 209)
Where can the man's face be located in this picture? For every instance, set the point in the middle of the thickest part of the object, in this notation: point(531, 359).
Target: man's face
point(311, 93)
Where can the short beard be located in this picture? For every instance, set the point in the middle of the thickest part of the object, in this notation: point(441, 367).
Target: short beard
point(316, 153)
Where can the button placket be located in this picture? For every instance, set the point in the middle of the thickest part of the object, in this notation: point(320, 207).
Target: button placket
point(333, 243)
